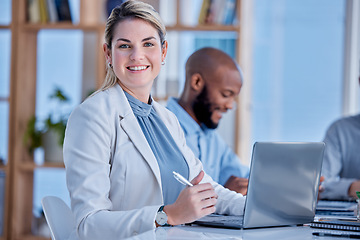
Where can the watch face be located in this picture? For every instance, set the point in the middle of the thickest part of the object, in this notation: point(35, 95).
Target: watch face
point(161, 218)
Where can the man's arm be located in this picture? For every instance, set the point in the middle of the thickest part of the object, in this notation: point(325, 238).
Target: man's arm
point(233, 174)
point(335, 187)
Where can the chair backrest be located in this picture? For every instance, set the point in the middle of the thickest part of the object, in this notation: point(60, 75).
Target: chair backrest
point(59, 217)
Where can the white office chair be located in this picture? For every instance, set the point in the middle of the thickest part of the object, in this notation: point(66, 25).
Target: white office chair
point(59, 217)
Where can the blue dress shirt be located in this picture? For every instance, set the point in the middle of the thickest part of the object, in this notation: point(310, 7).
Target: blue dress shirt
point(163, 146)
point(218, 159)
point(341, 165)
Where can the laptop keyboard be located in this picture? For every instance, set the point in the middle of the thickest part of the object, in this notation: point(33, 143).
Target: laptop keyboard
point(223, 219)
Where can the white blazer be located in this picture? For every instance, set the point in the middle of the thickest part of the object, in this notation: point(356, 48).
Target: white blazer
point(112, 174)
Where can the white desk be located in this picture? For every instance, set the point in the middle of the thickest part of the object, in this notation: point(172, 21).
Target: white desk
point(198, 233)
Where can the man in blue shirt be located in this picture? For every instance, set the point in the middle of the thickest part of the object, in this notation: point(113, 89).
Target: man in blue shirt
point(341, 165)
point(213, 80)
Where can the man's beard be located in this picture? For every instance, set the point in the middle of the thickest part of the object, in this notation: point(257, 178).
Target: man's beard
point(202, 109)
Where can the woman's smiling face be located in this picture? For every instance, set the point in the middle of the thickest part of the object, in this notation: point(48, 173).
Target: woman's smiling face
point(136, 56)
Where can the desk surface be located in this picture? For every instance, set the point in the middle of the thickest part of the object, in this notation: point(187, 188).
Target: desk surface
point(197, 232)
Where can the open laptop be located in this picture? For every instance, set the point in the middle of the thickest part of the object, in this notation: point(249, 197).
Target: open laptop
point(283, 186)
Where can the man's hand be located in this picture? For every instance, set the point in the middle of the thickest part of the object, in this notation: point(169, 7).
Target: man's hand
point(355, 186)
point(237, 184)
point(321, 187)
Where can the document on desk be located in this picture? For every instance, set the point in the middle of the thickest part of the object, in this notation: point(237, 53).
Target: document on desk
point(337, 210)
point(336, 234)
point(343, 206)
point(338, 225)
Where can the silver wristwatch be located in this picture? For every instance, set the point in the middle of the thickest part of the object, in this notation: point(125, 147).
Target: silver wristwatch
point(161, 217)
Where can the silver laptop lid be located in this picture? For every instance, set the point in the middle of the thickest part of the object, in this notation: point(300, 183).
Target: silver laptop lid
point(283, 183)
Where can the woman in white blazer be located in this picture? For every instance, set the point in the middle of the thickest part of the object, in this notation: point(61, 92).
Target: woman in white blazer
point(113, 176)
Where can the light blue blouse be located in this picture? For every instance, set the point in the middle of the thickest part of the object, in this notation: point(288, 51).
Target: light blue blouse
point(162, 144)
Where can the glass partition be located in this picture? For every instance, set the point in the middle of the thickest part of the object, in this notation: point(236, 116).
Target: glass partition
point(5, 12)
point(5, 46)
point(59, 70)
point(298, 69)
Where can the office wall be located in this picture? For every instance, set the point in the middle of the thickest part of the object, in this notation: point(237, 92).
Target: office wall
point(297, 68)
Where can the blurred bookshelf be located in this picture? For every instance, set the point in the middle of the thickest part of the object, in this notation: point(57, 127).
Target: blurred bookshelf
point(20, 167)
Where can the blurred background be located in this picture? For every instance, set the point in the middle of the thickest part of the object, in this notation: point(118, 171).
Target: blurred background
point(300, 59)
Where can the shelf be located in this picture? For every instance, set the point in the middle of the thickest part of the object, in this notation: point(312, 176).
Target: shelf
point(101, 27)
point(4, 27)
point(3, 168)
point(33, 237)
point(30, 166)
point(158, 99)
point(62, 25)
point(221, 28)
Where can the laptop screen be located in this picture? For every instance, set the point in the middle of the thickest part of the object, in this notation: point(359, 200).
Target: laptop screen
point(283, 183)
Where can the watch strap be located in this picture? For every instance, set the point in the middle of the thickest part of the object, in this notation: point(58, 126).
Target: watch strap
point(161, 209)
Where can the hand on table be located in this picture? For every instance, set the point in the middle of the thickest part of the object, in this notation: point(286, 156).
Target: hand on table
point(237, 184)
point(321, 187)
point(355, 186)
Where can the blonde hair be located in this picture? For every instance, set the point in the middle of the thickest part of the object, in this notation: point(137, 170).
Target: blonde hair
point(129, 9)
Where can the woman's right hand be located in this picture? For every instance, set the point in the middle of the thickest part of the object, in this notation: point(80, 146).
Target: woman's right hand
point(193, 203)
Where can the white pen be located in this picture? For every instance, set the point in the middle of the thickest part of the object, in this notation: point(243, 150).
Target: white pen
point(181, 179)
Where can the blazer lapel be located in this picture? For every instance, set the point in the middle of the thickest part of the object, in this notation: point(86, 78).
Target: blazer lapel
point(129, 124)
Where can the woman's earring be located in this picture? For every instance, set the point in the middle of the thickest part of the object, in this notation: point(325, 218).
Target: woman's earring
point(109, 64)
point(163, 63)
